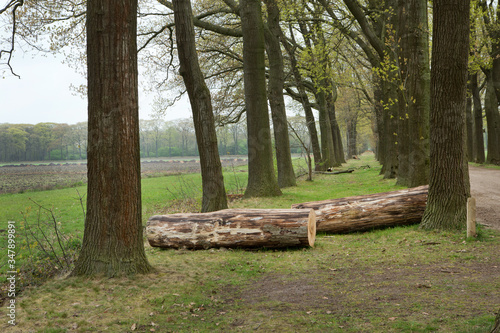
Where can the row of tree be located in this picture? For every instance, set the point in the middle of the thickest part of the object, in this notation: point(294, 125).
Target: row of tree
point(251, 55)
point(158, 138)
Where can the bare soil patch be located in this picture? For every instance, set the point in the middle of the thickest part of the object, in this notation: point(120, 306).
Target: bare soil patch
point(46, 176)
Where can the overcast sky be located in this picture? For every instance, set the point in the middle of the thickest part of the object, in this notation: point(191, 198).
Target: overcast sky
point(43, 94)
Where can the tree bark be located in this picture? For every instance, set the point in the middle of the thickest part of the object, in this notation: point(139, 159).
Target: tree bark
point(366, 212)
point(449, 185)
point(469, 122)
point(112, 241)
point(234, 228)
point(286, 175)
point(418, 88)
point(261, 178)
point(478, 139)
point(492, 122)
point(214, 192)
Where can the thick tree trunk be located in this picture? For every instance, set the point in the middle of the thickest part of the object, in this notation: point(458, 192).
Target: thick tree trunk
point(403, 133)
point(418, 97)
point(234, 228)
point(372, 211)
point(214, 192)
point(286, 175)
point(112, 241)
point(449, 185)
point(261, 178)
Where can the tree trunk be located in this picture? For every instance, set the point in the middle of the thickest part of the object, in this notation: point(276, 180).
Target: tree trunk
point(327, 150)
point(234, 228)
point(403, 130)
point(449, 185)
point(366, 212)
point(286, 175)
point(214, 192)
point(310, 121)
point(112, 241)
point(478, 139)
point(338, 148)
point(352, 134)
point(492, 122)
point(418, 88)
point(261, 178)
point(469, 122)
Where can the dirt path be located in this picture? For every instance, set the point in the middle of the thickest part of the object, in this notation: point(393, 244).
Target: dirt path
point(485, 187)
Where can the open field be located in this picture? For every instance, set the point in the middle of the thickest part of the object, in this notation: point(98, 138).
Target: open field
point(22, 177)
point(394, 280)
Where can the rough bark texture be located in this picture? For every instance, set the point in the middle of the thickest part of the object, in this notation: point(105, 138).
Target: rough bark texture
point(418, 88)
point(449, 176)
point(234, 228)
point(214, 192)
point(286, 175)
point(366, 212)
point(261, 178)
point(112, 241)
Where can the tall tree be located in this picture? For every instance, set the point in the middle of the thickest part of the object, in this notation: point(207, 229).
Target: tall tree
point(417, 92)
point(214, 192)
point(449, 176)
point(304, 100)
point(286, 175)
point(477, 121)
point(492, 119)
point(112, 242)
point(261, 178)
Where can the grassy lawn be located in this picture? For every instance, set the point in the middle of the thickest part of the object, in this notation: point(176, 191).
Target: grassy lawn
point(394, 280)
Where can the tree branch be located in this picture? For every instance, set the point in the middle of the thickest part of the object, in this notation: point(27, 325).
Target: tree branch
point(14, 4)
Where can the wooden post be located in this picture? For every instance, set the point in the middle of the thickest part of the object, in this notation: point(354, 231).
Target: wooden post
point(471, 217)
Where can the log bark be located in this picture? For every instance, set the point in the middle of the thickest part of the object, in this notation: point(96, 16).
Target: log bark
point(366, 212)
point(234, 228)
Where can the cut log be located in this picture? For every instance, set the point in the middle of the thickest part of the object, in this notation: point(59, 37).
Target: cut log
point(366, 212)
point(234, 228)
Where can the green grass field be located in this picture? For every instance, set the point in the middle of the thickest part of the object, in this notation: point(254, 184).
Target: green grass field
point(393, 280)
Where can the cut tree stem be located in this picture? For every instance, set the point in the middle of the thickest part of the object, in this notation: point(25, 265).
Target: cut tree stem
point(234, 228)
point(372, 211)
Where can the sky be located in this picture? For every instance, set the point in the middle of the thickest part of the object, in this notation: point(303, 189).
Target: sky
point(43, 93)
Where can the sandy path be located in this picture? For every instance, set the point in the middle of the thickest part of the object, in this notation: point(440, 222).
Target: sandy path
point(485, 187)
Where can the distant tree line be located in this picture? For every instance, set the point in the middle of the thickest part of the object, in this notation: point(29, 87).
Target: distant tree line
point(158, 138)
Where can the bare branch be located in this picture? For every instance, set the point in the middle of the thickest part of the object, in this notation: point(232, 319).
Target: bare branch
point(14, 4)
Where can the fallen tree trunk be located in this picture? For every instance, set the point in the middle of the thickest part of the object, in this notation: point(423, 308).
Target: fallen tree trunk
point(329, 172)
point(366, 212)
point(234, 228)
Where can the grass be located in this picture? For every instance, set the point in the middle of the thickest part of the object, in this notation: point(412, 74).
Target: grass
point(393, 280)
